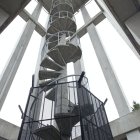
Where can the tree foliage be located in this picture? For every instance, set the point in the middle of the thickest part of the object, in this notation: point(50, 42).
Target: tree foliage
point(136, 106)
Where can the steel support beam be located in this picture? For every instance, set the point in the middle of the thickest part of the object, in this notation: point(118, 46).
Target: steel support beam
point(16, 57)
point(113, 84)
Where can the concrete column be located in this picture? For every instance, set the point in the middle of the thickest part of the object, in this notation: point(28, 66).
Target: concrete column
point(108, 14)
point(16, 57)
point(134, 135)
point(79, 66)
point(39, 105)
point(36, 81)
point(119, 99)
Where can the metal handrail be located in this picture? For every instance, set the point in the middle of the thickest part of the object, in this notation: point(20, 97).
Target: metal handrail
point(57, 2)
point(60, 14)
point(73, 75)
point(58, 36)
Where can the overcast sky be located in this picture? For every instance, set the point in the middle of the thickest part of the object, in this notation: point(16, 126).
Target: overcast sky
point(126, 65)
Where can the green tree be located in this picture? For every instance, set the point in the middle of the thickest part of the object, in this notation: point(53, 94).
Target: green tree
point(136, 106)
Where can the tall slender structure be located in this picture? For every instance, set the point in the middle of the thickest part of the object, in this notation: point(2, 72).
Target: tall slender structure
point(63, 108)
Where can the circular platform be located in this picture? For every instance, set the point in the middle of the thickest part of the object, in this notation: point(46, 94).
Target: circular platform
point(62, 7)
point(62, 24)
point(69, 52)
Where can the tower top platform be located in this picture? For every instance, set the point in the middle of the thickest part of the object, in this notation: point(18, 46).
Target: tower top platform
point(76, 4)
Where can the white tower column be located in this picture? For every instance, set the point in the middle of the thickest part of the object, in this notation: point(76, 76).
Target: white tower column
point(16, 57)
point(120, 101)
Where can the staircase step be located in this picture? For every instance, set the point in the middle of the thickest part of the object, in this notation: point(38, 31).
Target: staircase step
point(77, 138)
point(51, 94)
point(48, 63)
point(48, 133)
point(45, 83)
point(76, 56)
point(56, 56)
point(62, 7)
point(52, 44)
point(62, 24)
point(46, 74)
point(66, 121)
point(67, 51)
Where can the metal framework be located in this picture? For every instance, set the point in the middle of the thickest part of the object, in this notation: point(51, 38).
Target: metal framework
point(86, 119)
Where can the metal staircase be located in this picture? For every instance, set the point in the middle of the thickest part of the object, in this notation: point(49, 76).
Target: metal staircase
point(73, 110)
point(60, 50)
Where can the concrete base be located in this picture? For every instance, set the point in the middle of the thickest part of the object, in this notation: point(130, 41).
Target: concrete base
point(8, 131)
point(126, 126)
point(134, 135)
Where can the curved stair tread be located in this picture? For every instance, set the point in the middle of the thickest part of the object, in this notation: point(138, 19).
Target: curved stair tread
point(48, 87)
point(46, 74)
point(45, 83)
point(58, 25)
point(53, 38)
point(62, 7)
point(56, 56)
point(47, 133)
point(48, 36)
point(52, 44)
point(76, 55)
point(51, 94)
point(77, 138)
point(48, 63)
point(67, 51)
point(66, 123)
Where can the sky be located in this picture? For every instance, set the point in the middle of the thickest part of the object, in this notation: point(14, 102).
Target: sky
point(124, 62)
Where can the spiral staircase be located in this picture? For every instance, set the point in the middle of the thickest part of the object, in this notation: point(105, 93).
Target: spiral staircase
point(58, 51)
point(74, 112)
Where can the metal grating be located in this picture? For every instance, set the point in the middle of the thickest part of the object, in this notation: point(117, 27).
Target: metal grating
point(85, 120)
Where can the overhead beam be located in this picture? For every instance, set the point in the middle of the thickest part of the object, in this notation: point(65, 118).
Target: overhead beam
point(39, 28)
point(95, 20)
point(80, 32)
